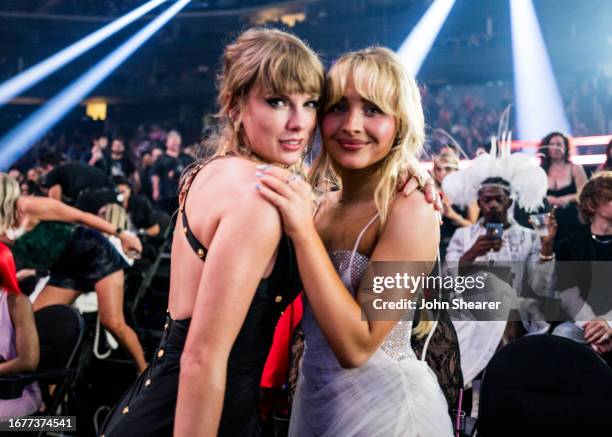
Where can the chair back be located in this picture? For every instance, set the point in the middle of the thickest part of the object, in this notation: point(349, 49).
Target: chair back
point(545, 385)
point(60, 331)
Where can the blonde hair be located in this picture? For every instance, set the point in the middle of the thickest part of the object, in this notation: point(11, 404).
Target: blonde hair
point(9, 193)
point(379, 77)
point(447, 158)
point(115, 214)
point(270, 60)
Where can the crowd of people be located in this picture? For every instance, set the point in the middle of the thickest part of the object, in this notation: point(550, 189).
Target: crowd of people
point(260, 237)
point(471, 117)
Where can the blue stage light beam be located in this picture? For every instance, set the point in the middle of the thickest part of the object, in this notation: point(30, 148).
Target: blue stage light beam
point(539, 107)
point(415, 48)
point(30, 77)
point(16, 142)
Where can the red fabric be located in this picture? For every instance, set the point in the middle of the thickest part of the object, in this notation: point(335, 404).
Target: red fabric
point(8, 278)
point(276, 369)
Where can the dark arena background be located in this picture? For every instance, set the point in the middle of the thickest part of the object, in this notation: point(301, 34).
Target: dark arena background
point(125, 92)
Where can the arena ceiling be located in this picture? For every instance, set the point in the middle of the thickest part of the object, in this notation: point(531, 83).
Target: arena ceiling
point(473, 46)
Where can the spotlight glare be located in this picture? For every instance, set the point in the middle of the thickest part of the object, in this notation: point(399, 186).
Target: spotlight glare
point(415, 48)
point(539, 106)
point(17, 141)
point(30, 77)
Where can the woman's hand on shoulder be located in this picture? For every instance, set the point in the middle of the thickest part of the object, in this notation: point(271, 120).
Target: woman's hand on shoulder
point(291, 195)
point(417, 178)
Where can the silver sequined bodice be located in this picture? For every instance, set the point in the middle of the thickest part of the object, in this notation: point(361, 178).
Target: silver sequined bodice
point(318, 353)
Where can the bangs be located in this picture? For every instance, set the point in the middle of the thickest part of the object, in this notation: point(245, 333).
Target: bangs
point(290, 72)
point(371, 80)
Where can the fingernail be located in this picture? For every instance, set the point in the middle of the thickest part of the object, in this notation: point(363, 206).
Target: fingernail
point(258, 187)
point(263, 166)
point(258, 174)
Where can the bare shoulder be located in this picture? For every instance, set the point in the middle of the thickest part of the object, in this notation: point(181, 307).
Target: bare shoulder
point(19, 305)
point(411, 230)
point(577, 169)
point(235, 181)
point(33, 204)
point(413, 210)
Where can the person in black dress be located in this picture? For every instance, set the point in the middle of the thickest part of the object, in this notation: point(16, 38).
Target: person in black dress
point(232, 271)
point(565, 180)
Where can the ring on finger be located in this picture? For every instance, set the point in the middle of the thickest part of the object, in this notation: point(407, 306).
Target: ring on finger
point(292, 178)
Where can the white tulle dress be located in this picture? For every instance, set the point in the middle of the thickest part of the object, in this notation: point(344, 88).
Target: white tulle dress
point(393, 394)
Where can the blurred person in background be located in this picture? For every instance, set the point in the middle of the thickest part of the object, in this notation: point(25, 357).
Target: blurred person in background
point(147, 161)
point(67, 181)
point(607, 164)
point(564, 181)
point(454, 216)
point(117, 162)
point(98, 150)
point(585, 285)
point(167, 172)
point(19, 347)
point(142, 218)
point(49, 235)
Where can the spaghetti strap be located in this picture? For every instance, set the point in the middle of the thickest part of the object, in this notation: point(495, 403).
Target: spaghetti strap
point(193, 241)
point(359, 237)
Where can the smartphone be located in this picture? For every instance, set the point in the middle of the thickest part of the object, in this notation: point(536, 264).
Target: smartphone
point(495, 231)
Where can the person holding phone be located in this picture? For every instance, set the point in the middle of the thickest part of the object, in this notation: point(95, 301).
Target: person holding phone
point(497, 238)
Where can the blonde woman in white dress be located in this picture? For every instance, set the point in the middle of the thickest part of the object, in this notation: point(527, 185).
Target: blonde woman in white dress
point(360, 377)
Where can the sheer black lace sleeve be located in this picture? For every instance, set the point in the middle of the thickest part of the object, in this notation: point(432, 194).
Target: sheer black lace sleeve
point(443, 357)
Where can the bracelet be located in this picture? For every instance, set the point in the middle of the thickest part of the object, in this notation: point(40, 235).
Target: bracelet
point(547, 257)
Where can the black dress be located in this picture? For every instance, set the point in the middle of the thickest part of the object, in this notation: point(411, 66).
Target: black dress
point(567, 216)
point(147, 409)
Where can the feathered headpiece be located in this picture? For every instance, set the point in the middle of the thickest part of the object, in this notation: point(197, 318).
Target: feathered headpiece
point(528, 181)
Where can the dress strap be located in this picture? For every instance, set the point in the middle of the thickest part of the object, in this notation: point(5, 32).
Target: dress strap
point(193, 241)
point(349, 269)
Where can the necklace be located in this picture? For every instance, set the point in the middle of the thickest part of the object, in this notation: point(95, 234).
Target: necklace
point(601, 241)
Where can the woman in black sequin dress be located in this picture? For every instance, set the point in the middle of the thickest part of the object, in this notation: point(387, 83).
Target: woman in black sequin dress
point(233, 272)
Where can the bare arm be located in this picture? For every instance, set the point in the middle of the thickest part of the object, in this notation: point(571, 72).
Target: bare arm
point(47, 209)
point(473, 212)
point(580, 176)
point(339, 316)
point(155, 182)
point(153, 230)
point(26, 337)
point(230, 277)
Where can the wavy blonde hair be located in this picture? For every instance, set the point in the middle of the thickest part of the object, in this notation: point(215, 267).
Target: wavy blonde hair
point(268, 59)
point(115, 214)
point(9, 193)
point(379, 77)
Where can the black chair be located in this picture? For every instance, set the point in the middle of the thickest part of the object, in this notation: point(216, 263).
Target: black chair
point(545, 385)
point(60, 331)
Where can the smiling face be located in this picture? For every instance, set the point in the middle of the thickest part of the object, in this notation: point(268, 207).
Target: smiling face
point(278, 128)
point(356, 132)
